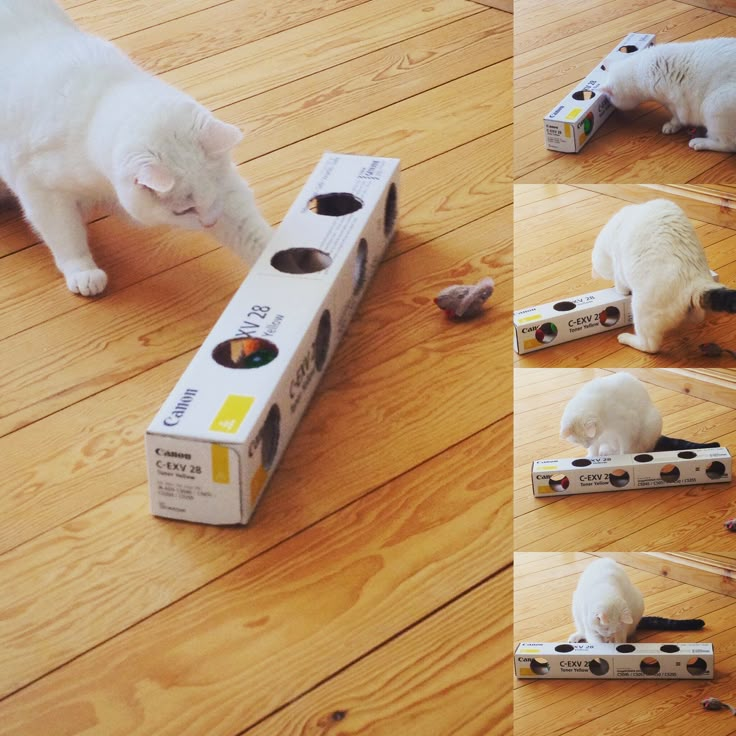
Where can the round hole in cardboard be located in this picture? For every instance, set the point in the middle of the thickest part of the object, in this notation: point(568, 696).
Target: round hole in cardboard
point(619, 478)
point(670, 648)
point(609, 316)
point(624, 648)
point(559, 482)
point(390, 211)
point(716, 469)
point(643, 458)
point(598, 666)
point(583, 94)
point(564, 306)
point(545, 333)
point(628, 49)
point(650, 665)
point(581, 462)
point(322, 340)
point(301, 260)
point(245, 352)
point(539, 666)
point(564, 648)
point(334, 204)
point(361, 265)
point(669, 473)
point(687, 454)
point(696, 666)
point(270, 435)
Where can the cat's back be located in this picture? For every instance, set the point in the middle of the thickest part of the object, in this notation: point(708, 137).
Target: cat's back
point(31, 17)
point(699, 65)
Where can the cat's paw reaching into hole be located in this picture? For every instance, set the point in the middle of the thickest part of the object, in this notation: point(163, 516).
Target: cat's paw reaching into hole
point(87, 283)
point(576, 637)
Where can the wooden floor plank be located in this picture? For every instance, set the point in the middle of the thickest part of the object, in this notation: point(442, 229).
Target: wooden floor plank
point(383, 562)
point(465, 643)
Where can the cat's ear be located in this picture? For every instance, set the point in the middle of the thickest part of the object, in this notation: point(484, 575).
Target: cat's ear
point(590, 427)
point(626, 617)
point(217, 137)
point(155, 176)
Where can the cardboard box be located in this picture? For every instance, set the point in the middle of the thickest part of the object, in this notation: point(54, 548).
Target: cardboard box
point(637, 661)
point(550, 324)
point(569, 476)
point(536, 328)
point(215, 443)
point(571, 124)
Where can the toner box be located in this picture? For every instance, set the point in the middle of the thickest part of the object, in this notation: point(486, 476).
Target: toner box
point(566, 477)
point(215, 443)
point(641, 661)
point(551, 324)
point(570, 125)
point(540, 327)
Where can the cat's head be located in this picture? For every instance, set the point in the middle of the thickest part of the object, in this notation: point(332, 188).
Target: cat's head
point(620, 85)
point(579, 429)
point(606, 619)
point(170, 171)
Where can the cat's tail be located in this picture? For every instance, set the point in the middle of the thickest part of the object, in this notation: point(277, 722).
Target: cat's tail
point(673, 444)
point(670, 624)
point(718, 299)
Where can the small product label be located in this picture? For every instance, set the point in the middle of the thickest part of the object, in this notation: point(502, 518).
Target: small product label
point(232, 413)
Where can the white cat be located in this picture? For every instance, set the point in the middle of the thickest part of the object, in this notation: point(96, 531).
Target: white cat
point(81, 124)
point(652, 252)
point(695, 81)
point(606, 605)
point(612, 415)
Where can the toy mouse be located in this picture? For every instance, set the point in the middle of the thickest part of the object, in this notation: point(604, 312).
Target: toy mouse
point(463, 301)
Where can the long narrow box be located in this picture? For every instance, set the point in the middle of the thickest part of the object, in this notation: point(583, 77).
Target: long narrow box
point(571, 124)
point(569, 476)
point(216, 441)
point(641, 661)
point(549, 324)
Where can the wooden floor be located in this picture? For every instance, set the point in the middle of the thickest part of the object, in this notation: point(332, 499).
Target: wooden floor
point(629, 708)
point(371, 593)
point(555, 227)
point(556, 44)
point(685, 518)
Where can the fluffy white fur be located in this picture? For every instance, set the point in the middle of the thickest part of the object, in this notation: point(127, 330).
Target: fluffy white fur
point(651, 251)
point(612, 415)
point(81, 124)
point(695, 81)
point(606, 605)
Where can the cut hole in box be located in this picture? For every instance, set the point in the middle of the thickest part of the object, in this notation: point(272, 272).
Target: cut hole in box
point(582, 462)
point(643, 458)
point(245, 352)
point(564, 306)
point(599, 666)
point(628, 49)
point(619, 478)
point(335, 204)
point(564, 648)
point(361, 266)
point(669, 473)
point(270, 435)
point(687, 455)
point(539, 666)
point(625, 648)
point(301, 260)
point(322, 341)
point(583, 94)
point(716, 469)
point(609, 316)
point(390, 212)
point(670, 648)
point(546, 333)
point(697, 666)
point(649, 666)
point(559, 482)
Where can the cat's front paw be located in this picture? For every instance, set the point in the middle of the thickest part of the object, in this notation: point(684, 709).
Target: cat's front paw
point(576, 637)
point(700, 144)
point(671, 127)
point(87, 283)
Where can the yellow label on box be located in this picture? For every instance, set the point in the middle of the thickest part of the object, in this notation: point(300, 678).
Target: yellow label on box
point(526, 672)
point(530, 318)
point(573, 113)
point(546, 467)
point(544, 489)
point(220, 464)
point(568, 130)
point(232, 413)
point(256, 484)
point(528, 650)
point(529, 344)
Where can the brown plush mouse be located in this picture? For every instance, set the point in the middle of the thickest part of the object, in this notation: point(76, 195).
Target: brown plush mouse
point(465, 301)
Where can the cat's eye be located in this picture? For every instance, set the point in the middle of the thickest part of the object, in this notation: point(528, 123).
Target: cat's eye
point(188, 211)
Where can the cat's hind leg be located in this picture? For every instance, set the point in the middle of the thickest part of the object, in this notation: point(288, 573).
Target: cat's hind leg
point(719, 114)
point(56, 218)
